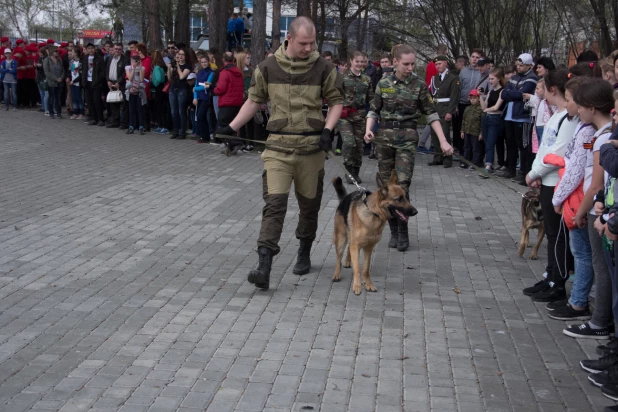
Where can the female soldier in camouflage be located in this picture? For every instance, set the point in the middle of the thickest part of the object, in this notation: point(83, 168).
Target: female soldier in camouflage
point(400, 100)
point(357, 94)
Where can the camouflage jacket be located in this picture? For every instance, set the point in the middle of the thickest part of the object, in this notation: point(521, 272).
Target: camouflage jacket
point(356, 90)
point(296, 89)
point(471, 123)
point(402, 100)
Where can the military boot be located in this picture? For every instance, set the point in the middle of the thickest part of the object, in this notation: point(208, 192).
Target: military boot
point(356, 174)
point(403, 243)
point(303, 261)
point(260, 277)
point(437, 161)
point(394, 225)
point(448, 162)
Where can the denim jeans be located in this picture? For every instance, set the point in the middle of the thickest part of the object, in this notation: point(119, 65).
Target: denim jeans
point(10, 89)
point(78, 101)
point(44, 98)
point(580, 247)
point(136, 112)
point(492, 128)
point(178, 107)
point(54, 101)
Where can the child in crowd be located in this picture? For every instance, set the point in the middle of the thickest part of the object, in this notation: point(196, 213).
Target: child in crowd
point(75, 70)
point(471, 131)
point(191, 106)
point(541, 112)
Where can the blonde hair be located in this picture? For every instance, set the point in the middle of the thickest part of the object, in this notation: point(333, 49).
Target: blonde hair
point(240, 60)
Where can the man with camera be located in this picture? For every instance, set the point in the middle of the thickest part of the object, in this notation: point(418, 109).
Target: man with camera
point(444, 89)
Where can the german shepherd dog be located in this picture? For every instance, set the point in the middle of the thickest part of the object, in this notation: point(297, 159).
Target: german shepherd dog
point(360, 219)
point(531, 218)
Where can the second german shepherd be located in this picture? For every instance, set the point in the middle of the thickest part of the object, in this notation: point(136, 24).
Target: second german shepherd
point(531, 218)
point(359, 221)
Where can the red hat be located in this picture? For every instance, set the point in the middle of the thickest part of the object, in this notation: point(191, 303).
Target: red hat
point(19, 41)
point(64, 44)
point(4, 39)
point(50, 41)
point(42, 45)
point(474, 92)
point(32, 44)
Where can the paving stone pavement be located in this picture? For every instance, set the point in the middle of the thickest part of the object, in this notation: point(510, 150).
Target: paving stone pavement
point(123, 288)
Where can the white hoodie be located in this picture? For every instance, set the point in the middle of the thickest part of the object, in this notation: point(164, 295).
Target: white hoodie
point(554, 141)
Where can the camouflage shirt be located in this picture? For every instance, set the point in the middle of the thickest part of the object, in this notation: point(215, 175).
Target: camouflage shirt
point(356, 90)
point(471, 123)
point(402, 100)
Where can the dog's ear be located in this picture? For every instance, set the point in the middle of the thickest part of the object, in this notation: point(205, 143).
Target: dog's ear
point(393, 180)
point(381, 186)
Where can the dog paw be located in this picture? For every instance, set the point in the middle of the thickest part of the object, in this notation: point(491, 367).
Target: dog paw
point(336, 278)
point(370, 288)
point(356, 289)
point(533, 256)
point(347, 264)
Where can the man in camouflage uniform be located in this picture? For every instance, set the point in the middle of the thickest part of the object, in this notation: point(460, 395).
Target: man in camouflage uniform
point(357, 92)
point(444, 89)
point(295, 80)
point(400, 100)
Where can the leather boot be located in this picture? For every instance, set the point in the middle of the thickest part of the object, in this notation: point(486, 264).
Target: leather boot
point(260, 277)
point(303, 261)
point(394, 225)
point(356, 175)
point(403, 243)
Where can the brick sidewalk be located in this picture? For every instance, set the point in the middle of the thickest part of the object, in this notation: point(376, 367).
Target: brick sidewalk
point(123, 288)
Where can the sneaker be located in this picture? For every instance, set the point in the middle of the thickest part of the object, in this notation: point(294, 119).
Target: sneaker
point(73, 117)
point(141, 131)
point(551, 306)
point(46, 113)
point(607, 377)
point(539, 286)
point(567, 312)
point(164, 131)
point(507, 174)
point(611, 408)
point(80, 117)
point(472, 168)
point(611, 346)
point(610, 390)
point(550, 295)
point(463, 165)
point(157, 130)
point(249, 147)
point(599, 365)
point(584, 331)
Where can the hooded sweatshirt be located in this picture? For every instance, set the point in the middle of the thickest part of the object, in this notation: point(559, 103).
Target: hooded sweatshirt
point(230, 86)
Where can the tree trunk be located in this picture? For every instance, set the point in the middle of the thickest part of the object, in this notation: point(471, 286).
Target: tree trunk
point(599, 7)
point(258, 34)
point(314, 10)
point(276, 34)
point(167, 15)
point(343, 46)
point(322, 32)
point(303, 8)
point(182, 34)
point(217, 21)
point(154, 25)
point(364, 31)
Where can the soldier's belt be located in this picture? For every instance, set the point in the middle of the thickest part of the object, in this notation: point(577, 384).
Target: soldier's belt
point(398, 125)
point(297, 133)
point(443, 100)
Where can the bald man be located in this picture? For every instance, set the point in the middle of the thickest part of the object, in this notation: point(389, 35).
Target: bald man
point(295, 79)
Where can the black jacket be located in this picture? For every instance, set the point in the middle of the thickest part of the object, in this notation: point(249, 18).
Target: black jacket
point(98, 71)
point(122, 63)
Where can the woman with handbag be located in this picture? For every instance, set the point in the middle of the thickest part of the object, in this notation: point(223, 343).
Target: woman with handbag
point(136, 95)
point(54, 72)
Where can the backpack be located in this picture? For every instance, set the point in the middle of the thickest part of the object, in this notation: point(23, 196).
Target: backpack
point(158, 76)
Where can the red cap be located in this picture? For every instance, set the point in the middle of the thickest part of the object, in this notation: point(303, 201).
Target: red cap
point(19, 41)
point(50, 41)
point(32, 44)
point(42, 45)
point(4, 39)
point(474, 92)
point(64, 44)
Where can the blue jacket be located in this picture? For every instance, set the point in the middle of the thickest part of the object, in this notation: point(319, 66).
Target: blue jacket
point(514, 90)
point(240, 25)
point(203, 76)
point(231, 25)
point(11, 69)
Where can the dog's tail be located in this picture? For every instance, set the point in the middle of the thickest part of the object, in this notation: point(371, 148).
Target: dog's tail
point(339, 188)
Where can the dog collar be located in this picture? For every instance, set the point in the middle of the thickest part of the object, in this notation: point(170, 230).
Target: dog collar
point(364, 199)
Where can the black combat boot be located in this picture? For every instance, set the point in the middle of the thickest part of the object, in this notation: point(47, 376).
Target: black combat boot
point(394, 225)
point(403, 243)
point(303, 261)
point(260, 277)
point(356, 174)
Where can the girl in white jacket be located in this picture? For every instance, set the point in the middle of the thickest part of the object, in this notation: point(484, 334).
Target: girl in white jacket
point(557, 134)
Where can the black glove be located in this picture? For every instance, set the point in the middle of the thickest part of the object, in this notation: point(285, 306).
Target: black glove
point(227, 131)
point(326, 143)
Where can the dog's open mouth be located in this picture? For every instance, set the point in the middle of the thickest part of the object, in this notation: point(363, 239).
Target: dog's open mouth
point(400, 215)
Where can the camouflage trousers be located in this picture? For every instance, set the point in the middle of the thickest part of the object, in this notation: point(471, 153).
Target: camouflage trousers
point(400, 158)
point(280, 170)
point(352, 131)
